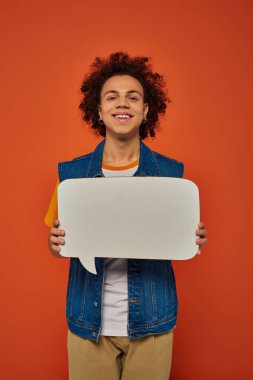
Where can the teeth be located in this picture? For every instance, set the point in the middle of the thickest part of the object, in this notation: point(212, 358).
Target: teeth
point(122, 116)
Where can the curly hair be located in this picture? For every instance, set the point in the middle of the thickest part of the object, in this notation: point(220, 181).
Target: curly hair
point(120, 63)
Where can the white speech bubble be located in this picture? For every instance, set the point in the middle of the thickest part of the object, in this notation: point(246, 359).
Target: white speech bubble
point(128, 217)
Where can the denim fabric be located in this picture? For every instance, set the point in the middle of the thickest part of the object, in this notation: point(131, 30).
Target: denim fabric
point(152, 297)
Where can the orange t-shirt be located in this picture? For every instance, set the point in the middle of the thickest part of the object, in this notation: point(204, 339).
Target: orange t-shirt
point(52, 212)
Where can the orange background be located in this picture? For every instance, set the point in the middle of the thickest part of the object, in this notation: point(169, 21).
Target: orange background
point(204, 50)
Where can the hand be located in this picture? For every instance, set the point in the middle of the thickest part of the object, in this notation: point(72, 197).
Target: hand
point(54, 241)
point(201, 232)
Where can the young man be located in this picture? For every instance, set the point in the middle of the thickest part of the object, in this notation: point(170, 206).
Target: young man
point(121, 320)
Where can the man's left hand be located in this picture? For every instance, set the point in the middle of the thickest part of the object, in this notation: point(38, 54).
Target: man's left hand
point(201, 232)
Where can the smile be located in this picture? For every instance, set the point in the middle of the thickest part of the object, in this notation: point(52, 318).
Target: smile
point(122, 116)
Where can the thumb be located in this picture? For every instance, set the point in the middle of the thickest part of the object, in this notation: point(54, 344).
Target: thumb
point(56, 223)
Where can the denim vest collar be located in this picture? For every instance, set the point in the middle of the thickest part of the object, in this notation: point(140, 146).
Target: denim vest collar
point(147, 164)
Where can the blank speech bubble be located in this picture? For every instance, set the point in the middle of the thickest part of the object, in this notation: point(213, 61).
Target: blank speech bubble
point(128, 217)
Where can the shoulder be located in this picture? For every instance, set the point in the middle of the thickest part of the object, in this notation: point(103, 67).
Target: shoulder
point(161, 157)
point(76, 160)
point(166, 163)
point(77, 167)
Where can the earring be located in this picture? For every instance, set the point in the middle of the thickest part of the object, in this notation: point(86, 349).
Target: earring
point(144, 120)
point(100, 121)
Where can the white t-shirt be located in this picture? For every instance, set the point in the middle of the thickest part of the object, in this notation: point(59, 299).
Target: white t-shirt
point(115, 295)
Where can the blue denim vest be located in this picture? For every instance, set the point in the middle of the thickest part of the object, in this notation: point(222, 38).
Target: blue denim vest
point(152, 297)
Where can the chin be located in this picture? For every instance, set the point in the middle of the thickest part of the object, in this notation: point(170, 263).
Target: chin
point(125, 134)
point(122, 132)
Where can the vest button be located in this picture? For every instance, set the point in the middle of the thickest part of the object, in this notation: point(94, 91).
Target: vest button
point(95, 304)
point(94, 333)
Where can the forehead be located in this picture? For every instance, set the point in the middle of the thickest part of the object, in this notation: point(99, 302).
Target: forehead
point(122, 83)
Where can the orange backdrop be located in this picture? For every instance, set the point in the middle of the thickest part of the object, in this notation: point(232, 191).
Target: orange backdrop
point(204, 50)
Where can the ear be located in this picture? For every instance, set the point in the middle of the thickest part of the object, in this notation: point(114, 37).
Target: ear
point(145, 109)
point(99, 111)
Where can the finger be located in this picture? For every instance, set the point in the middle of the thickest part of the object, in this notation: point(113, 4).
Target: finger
point(56, 248)
point(201, 241)
point(201, 232)
point(56, 223)
point(198, 252)
point(57, 231)
point(55, 240)
point(201, 225)
point(56, 252)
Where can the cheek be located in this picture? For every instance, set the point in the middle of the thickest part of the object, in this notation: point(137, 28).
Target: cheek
point(139, 112)
point(106, 109)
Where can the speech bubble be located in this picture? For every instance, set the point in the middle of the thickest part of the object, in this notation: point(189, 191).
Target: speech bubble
point(128, 217)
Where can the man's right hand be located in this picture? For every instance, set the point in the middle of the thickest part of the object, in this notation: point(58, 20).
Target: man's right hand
point(55, 239)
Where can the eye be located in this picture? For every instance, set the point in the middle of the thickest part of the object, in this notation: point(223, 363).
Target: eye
point(133, 98)
point(111, 97)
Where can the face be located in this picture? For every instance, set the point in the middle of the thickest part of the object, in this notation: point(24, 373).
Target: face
point(122, 106)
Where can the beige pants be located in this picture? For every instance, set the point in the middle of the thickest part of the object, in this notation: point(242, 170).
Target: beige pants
point(114, 358)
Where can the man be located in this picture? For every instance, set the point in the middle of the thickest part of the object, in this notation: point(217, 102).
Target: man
point(121, 320)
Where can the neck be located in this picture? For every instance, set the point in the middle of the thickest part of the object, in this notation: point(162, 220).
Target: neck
point(121, 151)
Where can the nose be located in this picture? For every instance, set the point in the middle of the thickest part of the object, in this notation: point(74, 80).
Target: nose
point(122, 102)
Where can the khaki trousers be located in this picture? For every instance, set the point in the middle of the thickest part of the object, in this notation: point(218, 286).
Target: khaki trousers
point(118, 358)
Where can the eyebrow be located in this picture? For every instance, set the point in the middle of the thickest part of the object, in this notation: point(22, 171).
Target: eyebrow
point(128, 92)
